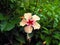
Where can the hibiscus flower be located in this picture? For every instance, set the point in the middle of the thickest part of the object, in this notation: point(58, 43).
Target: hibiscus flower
point(30, 22)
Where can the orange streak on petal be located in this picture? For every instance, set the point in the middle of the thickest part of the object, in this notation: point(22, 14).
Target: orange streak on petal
point(22, 17)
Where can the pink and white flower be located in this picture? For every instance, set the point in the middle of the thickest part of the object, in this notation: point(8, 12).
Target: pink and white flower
point(30, 22)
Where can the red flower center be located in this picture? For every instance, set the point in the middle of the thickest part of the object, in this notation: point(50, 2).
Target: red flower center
point(30, 22)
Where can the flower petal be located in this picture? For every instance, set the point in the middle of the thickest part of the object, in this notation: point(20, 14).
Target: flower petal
point(27, 16)
point(23, 22)
point(28, 29)
point(36, 25)
point(35, 17)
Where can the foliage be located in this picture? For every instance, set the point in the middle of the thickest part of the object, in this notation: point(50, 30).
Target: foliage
point(11, 11)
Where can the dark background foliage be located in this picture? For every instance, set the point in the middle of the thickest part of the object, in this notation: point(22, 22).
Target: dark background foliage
point(13, 34)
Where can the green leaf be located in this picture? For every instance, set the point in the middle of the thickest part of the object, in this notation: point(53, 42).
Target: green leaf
point(46, 31)
point(55, 22)
point(38, 43)
point(20, 39)
point(56, 35)
point(6, 26)
point(13, 1)
point(59, 44)
point(26, 2)
point(9, 26)
point(55, 42)
point(3, 25)
point(48, 40)
point(42, 36)
point(1, 17)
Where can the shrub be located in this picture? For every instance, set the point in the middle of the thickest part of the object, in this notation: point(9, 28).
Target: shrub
point(11, 11)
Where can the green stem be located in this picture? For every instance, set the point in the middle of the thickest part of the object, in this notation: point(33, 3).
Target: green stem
point(28, 39)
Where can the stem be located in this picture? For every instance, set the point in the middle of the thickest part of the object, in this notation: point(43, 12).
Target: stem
point(28, 39)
